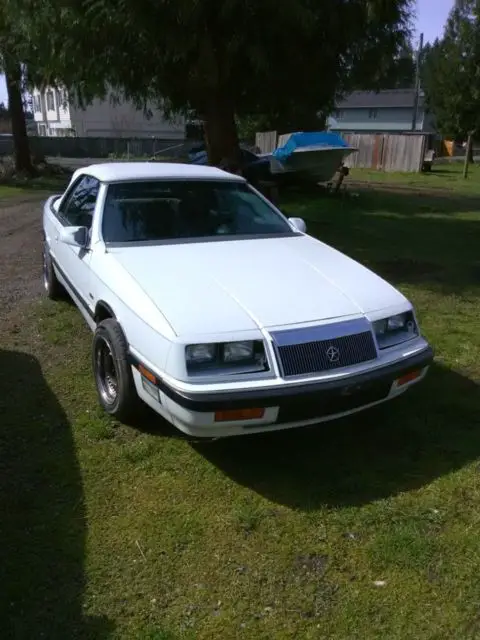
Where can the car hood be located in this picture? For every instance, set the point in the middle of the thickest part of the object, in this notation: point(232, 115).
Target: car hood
point(240, 285)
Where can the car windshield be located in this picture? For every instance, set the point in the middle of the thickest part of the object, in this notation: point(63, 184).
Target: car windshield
point(181, 209)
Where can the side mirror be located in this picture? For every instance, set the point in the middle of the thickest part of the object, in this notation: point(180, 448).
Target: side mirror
point(75, 236)
point(299, 224)
point(55, 204)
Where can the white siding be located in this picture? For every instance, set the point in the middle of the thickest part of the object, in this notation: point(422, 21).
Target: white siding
point(54, 121)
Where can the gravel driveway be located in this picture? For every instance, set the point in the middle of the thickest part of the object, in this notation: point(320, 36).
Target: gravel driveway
point(20, 250)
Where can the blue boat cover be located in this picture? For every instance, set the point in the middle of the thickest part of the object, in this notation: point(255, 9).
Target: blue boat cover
point(310, 139)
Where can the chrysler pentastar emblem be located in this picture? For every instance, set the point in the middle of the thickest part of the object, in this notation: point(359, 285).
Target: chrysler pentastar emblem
point(333, 354)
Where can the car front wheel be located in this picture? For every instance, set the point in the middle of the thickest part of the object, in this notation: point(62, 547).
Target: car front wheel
point(113, 375)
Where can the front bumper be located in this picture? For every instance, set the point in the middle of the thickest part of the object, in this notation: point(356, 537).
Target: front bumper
point(285, 406)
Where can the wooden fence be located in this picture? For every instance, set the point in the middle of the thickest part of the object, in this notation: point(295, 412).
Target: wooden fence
point(386, 152)
point(381, 151)
point(266, 141)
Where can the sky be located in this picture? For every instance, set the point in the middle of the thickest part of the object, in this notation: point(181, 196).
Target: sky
point(431, 18)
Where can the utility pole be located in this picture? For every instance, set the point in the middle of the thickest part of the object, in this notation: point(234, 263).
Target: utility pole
point(468, 153)
point(417, 84)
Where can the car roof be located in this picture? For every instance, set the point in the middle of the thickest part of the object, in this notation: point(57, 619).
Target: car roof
point(124, 171)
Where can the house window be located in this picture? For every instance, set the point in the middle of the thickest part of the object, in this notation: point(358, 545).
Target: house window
point(372, 114)
point(42, 129)
point(50, 100)
point(36, 104)
point(339, 114)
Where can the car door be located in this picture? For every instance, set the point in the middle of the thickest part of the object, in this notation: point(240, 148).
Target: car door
point(76, 210)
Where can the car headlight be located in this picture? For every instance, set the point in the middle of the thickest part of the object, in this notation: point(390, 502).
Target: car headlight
point(395, 329)
point(237, 351)
point(201, 353)
point(224, 355)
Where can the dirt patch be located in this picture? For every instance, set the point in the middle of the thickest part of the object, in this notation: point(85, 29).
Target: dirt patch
point(411, 188)
point(312, 563)
point(20, 250)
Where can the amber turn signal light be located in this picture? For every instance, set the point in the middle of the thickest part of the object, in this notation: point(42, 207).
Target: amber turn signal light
point(408, 377)
point(239, 414)
point(147, 374)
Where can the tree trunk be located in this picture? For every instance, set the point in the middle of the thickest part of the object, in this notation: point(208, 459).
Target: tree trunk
point(221, 136)
point(468, 155)
point(13, 80)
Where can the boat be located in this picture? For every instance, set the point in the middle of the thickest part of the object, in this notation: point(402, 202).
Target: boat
point(317, 155)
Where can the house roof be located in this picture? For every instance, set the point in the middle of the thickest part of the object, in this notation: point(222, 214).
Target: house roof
point(119, 171)
point(383, 99)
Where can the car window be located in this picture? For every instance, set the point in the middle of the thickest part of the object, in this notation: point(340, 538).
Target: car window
point(180, 209)
point(80, 203)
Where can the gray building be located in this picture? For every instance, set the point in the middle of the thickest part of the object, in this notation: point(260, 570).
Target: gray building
point(389, 111)
point(56, 115)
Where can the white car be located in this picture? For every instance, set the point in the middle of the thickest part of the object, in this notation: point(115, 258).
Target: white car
point(217, 311)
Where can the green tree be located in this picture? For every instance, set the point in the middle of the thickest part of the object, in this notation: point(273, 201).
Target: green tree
point(451, 73)
point(396, 73)
point(402, 73)
point(236, 57)
point(12, 68)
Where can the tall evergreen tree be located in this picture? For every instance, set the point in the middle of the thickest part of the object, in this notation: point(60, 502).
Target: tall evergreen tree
point(222, 59)
point(451, 73)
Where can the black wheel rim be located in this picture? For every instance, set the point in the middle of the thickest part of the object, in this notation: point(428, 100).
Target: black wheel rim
point(46, 282)
point(106, 372)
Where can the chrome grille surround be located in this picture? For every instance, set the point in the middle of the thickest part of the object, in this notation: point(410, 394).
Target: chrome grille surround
point(310, 350)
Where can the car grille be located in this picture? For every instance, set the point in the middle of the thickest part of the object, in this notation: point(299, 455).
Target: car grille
point(325, 355)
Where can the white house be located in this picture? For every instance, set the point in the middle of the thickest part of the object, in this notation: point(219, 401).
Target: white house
point(56, 115)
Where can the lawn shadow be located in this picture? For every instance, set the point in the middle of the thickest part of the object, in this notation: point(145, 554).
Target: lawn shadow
point(410, 200)
point(399, 446)
point(403, 198)
point(405, 238)
point(439, 170)
point(42, 512)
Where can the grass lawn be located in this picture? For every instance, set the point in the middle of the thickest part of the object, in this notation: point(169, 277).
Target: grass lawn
point(12, 187)
point(361, 528)
point(6, 191)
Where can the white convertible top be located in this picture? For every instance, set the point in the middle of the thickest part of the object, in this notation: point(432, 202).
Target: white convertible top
point(120, 171)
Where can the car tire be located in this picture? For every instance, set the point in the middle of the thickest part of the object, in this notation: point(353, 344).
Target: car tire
point(113, 375)
point(52, 286)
